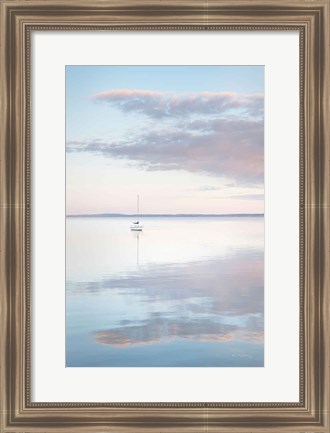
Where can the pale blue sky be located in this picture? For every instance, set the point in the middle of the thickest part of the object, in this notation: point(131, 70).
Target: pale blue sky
point(203, 123)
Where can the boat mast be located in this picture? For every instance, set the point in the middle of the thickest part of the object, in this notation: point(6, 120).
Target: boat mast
point(138, 210)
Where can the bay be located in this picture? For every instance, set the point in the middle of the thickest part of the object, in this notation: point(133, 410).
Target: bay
point(184, 292)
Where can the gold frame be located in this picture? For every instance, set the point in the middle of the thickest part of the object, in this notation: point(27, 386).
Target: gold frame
point(18, 18)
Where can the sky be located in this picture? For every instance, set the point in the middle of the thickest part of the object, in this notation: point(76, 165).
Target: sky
point(187, 139)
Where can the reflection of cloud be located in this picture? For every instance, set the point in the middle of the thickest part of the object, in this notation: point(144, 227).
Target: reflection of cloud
point(234, 286)
point(227, 148)
point(161, 104)
point(156, 330)
point(212, 300)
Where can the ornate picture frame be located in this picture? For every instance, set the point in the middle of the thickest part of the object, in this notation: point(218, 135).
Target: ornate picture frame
point(20, 18)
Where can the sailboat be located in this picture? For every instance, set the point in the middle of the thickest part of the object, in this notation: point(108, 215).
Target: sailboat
point(136, 226)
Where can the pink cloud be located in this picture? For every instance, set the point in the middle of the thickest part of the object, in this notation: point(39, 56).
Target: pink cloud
point(169, 104)
point(226, 148)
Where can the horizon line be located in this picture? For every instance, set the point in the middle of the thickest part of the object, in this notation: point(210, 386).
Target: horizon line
point(162, 214)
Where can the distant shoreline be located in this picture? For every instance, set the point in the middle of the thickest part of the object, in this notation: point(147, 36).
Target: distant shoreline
point(180, 215)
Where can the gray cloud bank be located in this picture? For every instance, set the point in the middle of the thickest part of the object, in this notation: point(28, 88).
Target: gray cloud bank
point(227, 148)
point(247, 197)
point(166, 104)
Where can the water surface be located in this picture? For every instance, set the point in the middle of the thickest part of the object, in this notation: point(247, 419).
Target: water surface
point(185, 292)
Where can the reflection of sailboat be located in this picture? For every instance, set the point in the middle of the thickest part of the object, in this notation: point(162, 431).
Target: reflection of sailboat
point(137, 247)
point(136, 226)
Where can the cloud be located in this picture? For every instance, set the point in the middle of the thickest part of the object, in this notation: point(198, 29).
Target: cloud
point(209, 188)
point(232, 148)
point(246, 197)
point(169, 104)
point(215, 133)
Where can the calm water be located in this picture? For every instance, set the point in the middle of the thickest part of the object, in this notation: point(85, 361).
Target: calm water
point(184, 292)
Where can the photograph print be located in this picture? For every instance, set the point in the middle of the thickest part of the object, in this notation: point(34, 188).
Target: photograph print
point(164, 216)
